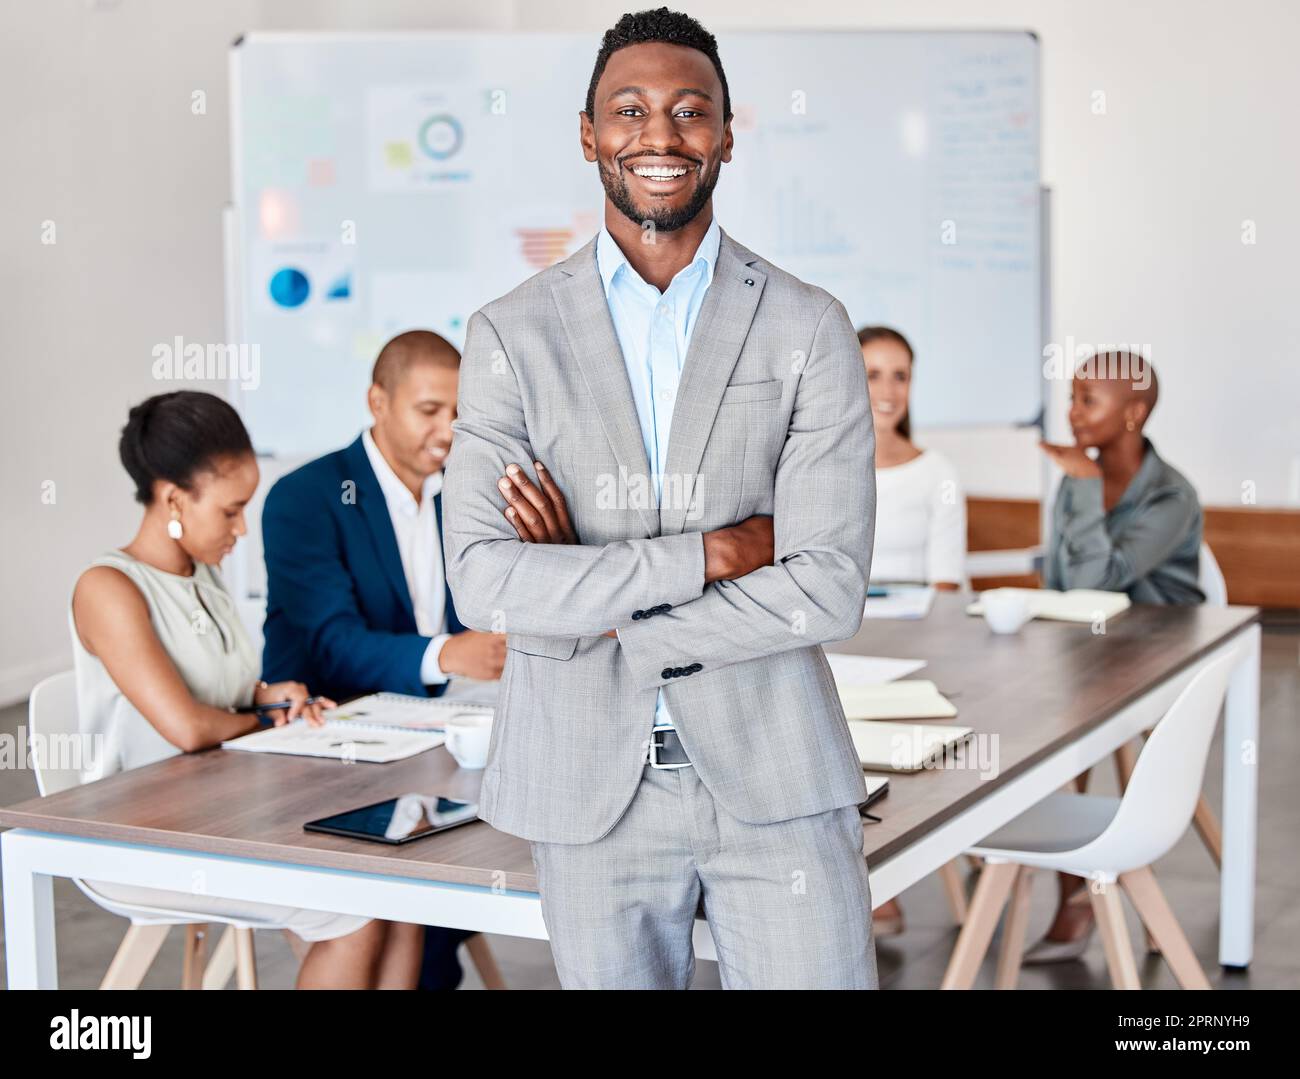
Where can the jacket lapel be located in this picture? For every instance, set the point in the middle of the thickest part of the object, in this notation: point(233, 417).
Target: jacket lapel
point(374, 511)
point(453, 622)
point(724, 321)
point(593, 342)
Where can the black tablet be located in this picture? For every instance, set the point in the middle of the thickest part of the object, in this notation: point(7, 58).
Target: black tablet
point(398, 820)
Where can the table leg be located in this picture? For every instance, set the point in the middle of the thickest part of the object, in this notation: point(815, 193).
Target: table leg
point(31, 958)
point(1240, 806)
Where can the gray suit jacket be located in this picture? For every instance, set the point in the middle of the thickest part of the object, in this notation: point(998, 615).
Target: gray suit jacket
point(772, 417)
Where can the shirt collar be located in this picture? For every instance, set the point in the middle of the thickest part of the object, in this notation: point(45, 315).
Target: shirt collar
point(1144, 478)
point(396, 493)
point(610, 258)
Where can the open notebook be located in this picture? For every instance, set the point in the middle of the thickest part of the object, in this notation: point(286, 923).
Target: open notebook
point(378, 728)
point(342, 741)
point(1076, 605)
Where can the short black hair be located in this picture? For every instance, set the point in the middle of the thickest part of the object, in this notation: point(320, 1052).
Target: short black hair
point(397, 356)
point(175, 436)
point(659, 25)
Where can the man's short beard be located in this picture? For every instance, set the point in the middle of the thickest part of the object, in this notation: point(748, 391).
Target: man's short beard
point(663, 220)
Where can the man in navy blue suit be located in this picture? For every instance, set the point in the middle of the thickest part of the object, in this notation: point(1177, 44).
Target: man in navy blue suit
point(357, 594)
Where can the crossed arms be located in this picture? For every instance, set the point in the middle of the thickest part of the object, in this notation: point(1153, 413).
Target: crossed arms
point(823, 526)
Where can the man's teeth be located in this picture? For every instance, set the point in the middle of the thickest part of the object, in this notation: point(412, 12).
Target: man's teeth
point(659, 173)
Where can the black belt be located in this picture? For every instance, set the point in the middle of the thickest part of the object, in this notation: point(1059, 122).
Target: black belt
point(666, 750)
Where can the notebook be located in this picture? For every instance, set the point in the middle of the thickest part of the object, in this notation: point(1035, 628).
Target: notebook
point(1076, 605)
point(337, 740)
point(903, 747)
point(402, 712)
point(912, 699)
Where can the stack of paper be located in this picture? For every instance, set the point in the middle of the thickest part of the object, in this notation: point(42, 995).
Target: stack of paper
point(917, 699)
point(1076, 605)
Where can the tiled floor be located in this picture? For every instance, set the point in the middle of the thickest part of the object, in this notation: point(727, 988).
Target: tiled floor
point(88, 936)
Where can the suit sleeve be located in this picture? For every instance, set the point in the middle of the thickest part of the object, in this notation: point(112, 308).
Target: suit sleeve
point(501, 584)
point(307, 575)
point(824, 528)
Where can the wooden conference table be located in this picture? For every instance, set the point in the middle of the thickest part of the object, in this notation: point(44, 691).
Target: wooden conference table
point(1059, 697)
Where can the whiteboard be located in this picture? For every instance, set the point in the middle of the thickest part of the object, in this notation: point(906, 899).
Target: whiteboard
point(385, 182)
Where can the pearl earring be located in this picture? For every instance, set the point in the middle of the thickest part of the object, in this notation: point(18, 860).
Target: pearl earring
point(1131, 425)
point(174, 526)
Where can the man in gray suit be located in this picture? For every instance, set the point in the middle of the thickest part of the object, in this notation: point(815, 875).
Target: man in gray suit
point(668, 733)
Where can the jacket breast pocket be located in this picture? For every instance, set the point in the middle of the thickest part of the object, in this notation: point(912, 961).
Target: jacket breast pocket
point(537, 645)
point(747, 436)
point(751, 392)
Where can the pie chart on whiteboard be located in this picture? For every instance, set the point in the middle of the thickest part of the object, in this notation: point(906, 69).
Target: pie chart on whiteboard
point(290, 287)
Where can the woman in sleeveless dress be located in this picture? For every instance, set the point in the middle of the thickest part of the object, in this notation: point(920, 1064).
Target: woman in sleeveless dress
point(163, 662)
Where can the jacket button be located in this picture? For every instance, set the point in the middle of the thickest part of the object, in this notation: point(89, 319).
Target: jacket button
point(667, 672)
point(637, 616)
point(696, 667)
point(664, 608)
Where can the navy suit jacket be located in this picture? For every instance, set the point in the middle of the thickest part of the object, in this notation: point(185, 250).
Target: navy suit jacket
point(338, 612)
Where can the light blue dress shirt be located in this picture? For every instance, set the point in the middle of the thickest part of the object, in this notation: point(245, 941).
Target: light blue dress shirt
point(654, 330)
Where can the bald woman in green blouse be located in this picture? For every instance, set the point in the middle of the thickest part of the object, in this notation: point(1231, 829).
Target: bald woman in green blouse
point(1126, 521)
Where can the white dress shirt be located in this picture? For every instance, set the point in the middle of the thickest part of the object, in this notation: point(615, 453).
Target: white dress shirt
point(654, 330)
point(416, 527)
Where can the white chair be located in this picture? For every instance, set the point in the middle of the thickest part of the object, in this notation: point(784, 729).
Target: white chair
point(1211, 579)
point(1109, 841)
point(52, 714)
point(1204, 820)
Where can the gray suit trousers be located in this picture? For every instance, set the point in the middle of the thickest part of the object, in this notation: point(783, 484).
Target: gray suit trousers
point(788, 904)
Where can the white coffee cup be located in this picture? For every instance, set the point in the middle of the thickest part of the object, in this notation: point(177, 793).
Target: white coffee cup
point(1005, 611)
point(468, 736)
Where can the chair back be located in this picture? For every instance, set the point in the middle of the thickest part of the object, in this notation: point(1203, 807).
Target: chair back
point(1211, 579)
point(1161, 795)
point(56, 736)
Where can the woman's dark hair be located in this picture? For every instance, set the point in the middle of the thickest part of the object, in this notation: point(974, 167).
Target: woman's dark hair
point(887, 333)
point(175, 436)
point(659, 25)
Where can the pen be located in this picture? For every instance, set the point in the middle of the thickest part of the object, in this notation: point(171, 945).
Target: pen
point(274, 706)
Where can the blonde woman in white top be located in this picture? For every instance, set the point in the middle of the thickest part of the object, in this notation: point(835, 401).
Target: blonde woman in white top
point(920, 506)
point(163, 662)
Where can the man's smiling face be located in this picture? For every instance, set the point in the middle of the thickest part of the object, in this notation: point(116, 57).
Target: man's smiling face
point(659, 136)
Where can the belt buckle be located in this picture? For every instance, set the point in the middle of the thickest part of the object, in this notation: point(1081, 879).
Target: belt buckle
point(655, 746)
